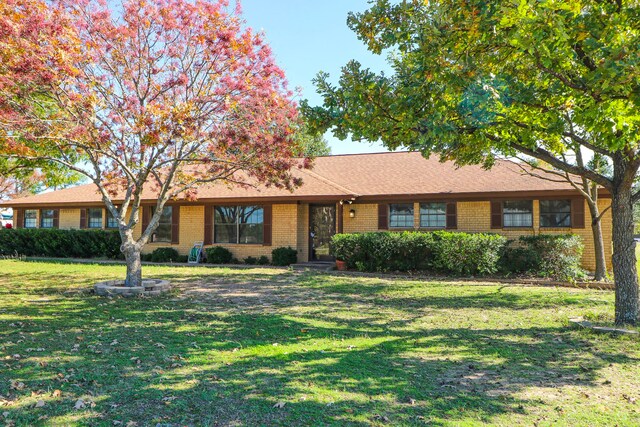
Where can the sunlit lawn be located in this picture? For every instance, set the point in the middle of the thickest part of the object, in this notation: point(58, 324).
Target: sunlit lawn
point(271, 347)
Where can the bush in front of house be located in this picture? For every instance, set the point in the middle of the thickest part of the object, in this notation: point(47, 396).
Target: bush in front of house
point(219, 255)
point(546, 255)
point(443, 251)
point(165, 255)
point(251, 260)
point(263, 260)
point(467, 253)
point(56, 243)
point(384, 251)
point(284, 256)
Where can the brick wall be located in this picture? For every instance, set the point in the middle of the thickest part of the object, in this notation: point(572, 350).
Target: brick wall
point(476, 217)
point(285, 219)
point(366, 218)
point(291, 225)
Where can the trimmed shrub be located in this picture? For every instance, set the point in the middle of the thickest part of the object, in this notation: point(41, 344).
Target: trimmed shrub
point(546, 255)
point(165, 255)
point(449, 252)
point(466, 253)
point(263, 260)
point(385, 251)
point(219, 255)
point(251, 260)
point(284, 256)
point(47, 242)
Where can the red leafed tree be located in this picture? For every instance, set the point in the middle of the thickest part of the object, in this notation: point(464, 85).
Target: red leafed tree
point(167, 95)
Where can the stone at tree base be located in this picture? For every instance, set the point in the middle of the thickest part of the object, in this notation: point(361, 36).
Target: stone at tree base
point(152, 287)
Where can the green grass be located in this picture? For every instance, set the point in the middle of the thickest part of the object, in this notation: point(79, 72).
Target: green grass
point(227, 345)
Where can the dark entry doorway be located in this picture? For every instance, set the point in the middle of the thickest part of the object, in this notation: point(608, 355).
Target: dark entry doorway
point(322, 226)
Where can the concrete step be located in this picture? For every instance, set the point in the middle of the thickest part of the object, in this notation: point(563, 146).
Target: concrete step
point(314, 265)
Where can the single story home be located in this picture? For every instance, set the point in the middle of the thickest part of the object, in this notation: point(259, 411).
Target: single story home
point(343, 194)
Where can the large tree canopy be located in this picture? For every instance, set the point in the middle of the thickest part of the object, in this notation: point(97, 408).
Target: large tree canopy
point(169, 94)
point(476, 79)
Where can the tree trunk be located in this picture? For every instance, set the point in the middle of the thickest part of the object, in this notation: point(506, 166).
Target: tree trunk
point(598, 244)
point(134, 266)
point(624, 257)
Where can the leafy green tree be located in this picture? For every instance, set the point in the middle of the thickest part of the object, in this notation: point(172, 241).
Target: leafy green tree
point(18, 178)
point(311, 143)
point(477, 79)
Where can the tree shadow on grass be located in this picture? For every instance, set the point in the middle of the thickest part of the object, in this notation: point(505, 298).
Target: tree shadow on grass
point(166, 360)
point(389, 379)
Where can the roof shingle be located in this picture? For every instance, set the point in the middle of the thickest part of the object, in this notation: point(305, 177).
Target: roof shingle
point(352, 176)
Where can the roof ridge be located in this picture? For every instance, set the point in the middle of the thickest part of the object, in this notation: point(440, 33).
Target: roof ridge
point(329, 182)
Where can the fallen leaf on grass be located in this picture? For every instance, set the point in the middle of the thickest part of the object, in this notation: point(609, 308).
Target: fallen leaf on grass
point(17, 385)
point(40, 403)
point(57, 393)
point(629, 399)
point(279, 405)
point(79, 404)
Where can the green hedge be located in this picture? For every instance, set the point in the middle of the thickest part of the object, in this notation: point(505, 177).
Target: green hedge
point(442, 251)
point(165, 255)
point(284, 256)
point(219, 255)
point(55, 243)
point(546, 255)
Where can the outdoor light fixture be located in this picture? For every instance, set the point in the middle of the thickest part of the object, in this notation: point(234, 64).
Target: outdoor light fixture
point(352, 213)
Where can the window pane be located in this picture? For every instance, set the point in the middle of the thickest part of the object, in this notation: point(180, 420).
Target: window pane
point(112, 222)
point(250, 227)
point(433, 215)
point(46, 220)
point(225, 224)
point(555, 213)
point(30, 218)
point(163, 232)
point(401, 215)
point(225, 233)
point(518, 213)
point(226, 215)
point(555, 206)
point(251, 233)
point(95, 218)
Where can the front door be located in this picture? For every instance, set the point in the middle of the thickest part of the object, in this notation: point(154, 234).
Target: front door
point(322, 226)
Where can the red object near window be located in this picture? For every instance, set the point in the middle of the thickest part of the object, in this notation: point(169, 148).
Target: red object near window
point(8, 226)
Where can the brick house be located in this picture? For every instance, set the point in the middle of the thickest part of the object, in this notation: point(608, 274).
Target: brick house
point(345, 193)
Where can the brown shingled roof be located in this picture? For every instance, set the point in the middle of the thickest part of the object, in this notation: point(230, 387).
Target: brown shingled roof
point(360, 176)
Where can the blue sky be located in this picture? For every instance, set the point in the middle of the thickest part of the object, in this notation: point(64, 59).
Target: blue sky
point(308, 36)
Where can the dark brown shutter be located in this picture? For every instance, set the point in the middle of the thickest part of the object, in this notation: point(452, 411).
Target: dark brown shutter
point(267, 226)
point(56, 218)
point(452, 215)
point(383, 216)
point(18, 218)
point(496, 214)
point(175, 224)
point(146, 217)
point(577, 213)
point(83, 218)
point(340, 222)
point(208, 225)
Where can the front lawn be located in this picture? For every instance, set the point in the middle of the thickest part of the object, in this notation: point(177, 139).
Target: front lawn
point(271, 347)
